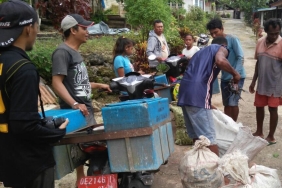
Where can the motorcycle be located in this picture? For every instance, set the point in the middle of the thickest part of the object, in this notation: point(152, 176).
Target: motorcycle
point(176, 66)
point(203, 40)
point(137, 87)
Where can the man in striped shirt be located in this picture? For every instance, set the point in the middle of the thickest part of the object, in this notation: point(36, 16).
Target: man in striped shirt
point(268, 72)
point(196, 89)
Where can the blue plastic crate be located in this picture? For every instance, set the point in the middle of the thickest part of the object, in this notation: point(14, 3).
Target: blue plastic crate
point(144, 152)
point(160, 79)
point(135, 114)
point(76, 118)
point(164, 93)
point(141, 153)
point(68, 157)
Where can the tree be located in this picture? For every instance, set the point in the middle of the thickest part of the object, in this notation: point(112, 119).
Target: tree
point(141, 14)
point(248, 7)
point(58, 9)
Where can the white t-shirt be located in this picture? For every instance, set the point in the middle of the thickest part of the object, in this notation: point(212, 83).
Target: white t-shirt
point(191, 52)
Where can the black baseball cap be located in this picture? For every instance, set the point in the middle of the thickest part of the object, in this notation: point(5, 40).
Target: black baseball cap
point(74, 19)
point(14, 15)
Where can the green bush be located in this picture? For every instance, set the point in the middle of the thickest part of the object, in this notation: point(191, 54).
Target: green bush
point(212, 15)
point(41, 57)
point(195, 20)
point(227, 15)
point(100, 15)
point(173, 38)
point(140, 14)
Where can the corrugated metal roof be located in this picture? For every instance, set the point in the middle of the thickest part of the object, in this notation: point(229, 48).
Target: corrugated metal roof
point(266, 9)
point(276, 4)
point(47, 95)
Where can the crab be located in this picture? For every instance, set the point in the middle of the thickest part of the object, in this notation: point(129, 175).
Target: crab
point(234, 90)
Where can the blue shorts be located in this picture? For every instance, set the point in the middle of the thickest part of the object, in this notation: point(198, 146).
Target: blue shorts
point(199, 121)
point(227, 98)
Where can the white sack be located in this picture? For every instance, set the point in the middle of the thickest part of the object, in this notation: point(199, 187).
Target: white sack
point(226, 130)
point(236, 165)
point(198, 168)
point(247, 143)
point(264, 177)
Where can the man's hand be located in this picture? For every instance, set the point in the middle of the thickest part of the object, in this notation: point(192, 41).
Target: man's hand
point(82, 108)
point(105, 87)
point(64, 125)
point(252, 88)
point(236, 78)
point(213, 107)
point(159, 59)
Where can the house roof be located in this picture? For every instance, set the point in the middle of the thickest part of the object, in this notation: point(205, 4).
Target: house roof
point(277, 3)
point(48, 97)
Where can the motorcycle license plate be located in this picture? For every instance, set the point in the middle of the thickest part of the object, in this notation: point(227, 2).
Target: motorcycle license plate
point(100, 181)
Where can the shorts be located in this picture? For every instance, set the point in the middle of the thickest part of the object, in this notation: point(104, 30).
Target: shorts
point(227, 98)
point(263, 100)
point(199, 121)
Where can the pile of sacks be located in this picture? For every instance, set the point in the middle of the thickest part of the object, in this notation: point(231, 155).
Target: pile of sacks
point(201, 168)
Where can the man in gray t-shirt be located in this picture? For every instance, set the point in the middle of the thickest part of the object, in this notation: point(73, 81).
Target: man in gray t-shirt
point(69, 62)
point(69, 75)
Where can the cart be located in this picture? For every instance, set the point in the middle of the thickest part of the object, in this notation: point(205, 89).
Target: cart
point(142, 140)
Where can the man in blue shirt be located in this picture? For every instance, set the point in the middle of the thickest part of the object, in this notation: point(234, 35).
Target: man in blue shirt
point(196, 89)
point(236, 59)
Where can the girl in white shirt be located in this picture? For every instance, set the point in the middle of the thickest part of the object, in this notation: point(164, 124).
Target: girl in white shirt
point(190, 50)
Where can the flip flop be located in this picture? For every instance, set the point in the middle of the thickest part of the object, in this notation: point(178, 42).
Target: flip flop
point(271, 143)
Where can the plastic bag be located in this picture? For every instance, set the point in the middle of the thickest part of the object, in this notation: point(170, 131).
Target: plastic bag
point(226, 130)
point(247, 143)
point(198, 168)
point(264, 177)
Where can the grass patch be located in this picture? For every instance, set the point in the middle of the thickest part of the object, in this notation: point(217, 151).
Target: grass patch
point(99, 44)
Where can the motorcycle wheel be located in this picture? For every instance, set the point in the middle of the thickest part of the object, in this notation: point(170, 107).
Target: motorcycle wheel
point(137, 184)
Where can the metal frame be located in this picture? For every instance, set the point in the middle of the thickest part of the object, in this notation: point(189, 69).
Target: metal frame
point(82, 137)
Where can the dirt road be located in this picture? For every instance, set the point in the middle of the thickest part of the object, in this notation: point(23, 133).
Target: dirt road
point(168, 176)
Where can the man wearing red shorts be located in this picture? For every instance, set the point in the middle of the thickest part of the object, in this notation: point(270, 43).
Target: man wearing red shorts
point(268, 72)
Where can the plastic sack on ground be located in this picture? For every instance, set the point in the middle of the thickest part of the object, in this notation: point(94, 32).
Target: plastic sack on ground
point(235, 164)
point(264, 177)
point(247, 143)
point(198, 168)
point(226, 130)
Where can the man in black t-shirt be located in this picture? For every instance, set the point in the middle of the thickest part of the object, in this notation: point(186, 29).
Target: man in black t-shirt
point(26, 157)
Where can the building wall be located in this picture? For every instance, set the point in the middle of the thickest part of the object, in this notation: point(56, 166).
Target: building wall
point(109, 3)
point(188, 3)
point(200, 3)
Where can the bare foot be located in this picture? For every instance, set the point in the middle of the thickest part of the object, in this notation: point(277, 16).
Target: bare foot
point(270, 139)
point(258, 134)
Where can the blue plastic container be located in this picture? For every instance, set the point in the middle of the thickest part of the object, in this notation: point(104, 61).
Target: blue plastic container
point(144, 152)
point(160, 79)
point(68, 157)
point(76, 119)
point(134, 114)
point(164, 93)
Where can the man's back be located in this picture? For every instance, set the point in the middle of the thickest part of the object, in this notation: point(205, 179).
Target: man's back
point(20, 150)
point(199, 77)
